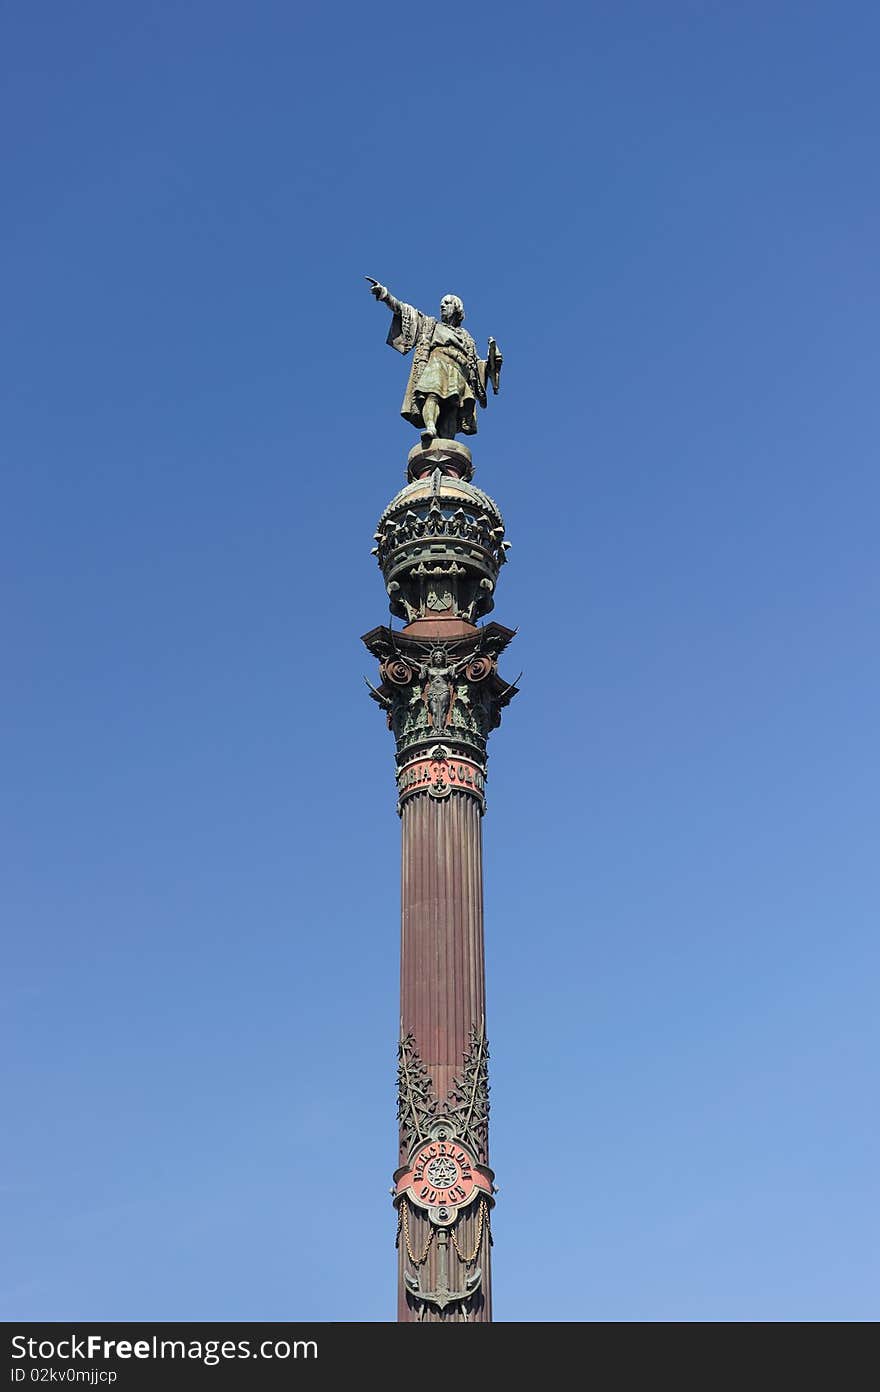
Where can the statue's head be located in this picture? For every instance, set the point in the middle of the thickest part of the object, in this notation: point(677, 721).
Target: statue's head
point(452, 310)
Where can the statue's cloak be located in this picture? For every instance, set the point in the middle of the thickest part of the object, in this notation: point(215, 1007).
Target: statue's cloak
point(445, 364)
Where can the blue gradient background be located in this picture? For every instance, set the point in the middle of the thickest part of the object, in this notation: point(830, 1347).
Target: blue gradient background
point(668, 215)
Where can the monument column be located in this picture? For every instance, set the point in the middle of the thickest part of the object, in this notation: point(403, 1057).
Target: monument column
point(440, 545)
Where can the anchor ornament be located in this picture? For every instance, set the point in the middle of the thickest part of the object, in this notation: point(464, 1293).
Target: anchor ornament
point(443, 1296)
point(443, 1178)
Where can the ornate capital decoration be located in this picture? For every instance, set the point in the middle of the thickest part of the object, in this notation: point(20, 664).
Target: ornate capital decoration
point(440, 545)
point(442, 697)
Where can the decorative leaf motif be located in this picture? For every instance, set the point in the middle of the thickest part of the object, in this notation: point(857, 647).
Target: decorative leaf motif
point(468, 1102)
point(416, 1103)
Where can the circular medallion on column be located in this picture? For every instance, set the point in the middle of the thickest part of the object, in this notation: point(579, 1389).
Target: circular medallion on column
point(443, 1176)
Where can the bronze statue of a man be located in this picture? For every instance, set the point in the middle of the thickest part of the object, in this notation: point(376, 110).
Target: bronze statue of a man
point(447, 378)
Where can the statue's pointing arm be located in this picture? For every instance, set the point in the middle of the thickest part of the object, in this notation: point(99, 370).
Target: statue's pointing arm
point(382, 293)
point(405, 318)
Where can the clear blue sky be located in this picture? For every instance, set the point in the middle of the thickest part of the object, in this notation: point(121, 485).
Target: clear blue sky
point(668, 216)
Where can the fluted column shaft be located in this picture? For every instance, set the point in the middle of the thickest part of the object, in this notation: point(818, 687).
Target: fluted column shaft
point(442, 982)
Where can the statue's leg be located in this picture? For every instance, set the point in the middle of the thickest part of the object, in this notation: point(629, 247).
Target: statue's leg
point(448, 422)
point(430, 412)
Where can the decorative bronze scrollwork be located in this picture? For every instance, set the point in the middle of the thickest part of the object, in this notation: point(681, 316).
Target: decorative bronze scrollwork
point(396, 671)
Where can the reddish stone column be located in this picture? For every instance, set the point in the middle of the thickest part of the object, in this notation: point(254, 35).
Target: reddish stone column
point(443, 1001)
point(440, 548)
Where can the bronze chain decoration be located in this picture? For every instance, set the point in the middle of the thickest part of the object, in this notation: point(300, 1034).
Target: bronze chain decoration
point(481, 1217)
point(404, 1222)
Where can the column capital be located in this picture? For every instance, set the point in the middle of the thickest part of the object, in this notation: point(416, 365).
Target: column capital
point(442, 697)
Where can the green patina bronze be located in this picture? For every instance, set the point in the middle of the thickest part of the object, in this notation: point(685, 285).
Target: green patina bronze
point(447, 378)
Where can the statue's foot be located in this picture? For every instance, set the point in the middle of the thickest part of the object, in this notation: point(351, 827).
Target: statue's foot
point(428, 434)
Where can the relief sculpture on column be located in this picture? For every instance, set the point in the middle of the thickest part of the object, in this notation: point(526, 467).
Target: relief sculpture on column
point(445, 1177)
